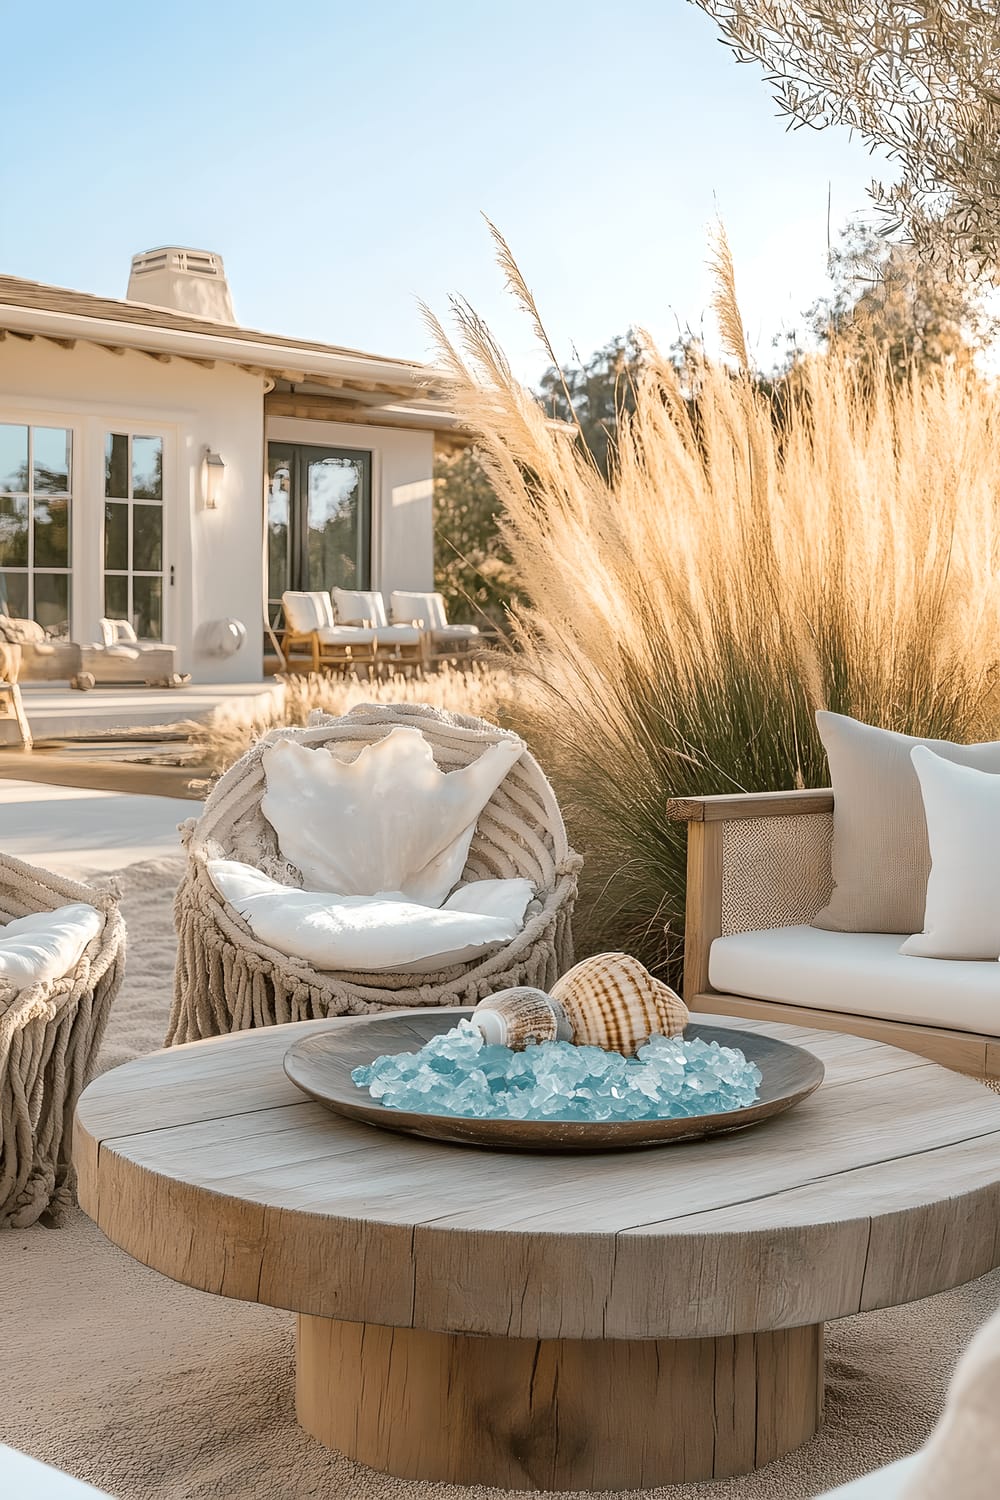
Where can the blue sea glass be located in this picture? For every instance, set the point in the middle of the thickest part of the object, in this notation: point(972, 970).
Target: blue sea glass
point(457, 1073)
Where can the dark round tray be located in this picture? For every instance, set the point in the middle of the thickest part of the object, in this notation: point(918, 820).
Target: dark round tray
point(321, 1066)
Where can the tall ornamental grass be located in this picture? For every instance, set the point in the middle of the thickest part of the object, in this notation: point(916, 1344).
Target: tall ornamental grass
point(743, 565)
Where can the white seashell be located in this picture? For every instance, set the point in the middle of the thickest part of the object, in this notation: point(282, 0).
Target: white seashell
point(388, 823)
point(515, 1018)
point(612, 1001)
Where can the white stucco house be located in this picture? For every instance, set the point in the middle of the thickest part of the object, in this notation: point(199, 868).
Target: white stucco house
point(163, 464)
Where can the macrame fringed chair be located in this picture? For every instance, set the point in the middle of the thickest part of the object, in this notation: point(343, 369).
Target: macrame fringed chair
point(49, 1037)
point(226, 980)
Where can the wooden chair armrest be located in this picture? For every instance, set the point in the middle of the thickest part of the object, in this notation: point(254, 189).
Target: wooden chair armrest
point(734, 806)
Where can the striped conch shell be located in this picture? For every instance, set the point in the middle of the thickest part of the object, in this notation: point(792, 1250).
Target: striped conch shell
point(611, 1001)
point(516, 1018)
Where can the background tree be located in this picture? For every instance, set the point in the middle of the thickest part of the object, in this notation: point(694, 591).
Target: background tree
point(473, 568)
point(888, 307)
point(598, 392)
point(918, 78)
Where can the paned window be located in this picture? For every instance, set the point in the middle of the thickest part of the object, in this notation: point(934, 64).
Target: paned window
point(36, 487)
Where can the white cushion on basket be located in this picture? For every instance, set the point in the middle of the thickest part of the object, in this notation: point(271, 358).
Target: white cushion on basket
point(859, 974)
point(962, 809)
point(46, 945)
point(373, 934)
point(389, 822)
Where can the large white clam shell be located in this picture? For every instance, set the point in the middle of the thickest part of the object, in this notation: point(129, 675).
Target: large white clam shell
point(612, 1001)
point(388, 823)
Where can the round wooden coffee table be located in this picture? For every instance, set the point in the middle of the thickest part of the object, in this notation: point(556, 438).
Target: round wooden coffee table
point(550, 1322)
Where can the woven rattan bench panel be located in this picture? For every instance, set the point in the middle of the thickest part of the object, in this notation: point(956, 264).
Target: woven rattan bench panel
point(775, 871)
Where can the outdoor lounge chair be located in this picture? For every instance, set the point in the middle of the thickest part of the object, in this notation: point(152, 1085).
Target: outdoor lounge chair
point(44, 657)
point(227, 980)
point(311, 629)
point(121, 657)
point(443, 642)
point(400, 644)
point(50, 1032)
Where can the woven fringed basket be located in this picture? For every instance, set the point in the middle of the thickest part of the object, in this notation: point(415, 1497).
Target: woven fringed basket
point(49, 1038)
point(228, 981)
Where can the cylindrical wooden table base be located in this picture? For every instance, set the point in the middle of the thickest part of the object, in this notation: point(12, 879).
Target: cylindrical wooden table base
point(559, 1414)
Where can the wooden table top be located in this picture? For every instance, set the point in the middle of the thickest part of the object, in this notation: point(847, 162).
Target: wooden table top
point(206, 1163)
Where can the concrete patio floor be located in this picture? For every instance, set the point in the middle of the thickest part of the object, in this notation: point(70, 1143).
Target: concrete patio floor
point(57, 711)
point(75, 831)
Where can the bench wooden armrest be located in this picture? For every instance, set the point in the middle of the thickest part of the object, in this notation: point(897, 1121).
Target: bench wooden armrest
point(732, 806)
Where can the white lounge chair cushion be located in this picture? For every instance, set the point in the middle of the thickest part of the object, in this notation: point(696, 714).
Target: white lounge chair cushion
point(962, 809)
point(117, 633)
point(407, 606)
point(858, 973)
point(359, 607)
point(345, 635)
point(371, 934)
point(389, 822)
point(307, 610)
point(46, 945)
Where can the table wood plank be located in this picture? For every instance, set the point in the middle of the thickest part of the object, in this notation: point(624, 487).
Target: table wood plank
point(206, 1162)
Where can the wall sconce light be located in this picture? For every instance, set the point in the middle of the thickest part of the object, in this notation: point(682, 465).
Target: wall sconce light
point(213, 479)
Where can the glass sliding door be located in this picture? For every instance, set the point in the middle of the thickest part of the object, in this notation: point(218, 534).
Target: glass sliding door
point(318, 519)
point(133, 532)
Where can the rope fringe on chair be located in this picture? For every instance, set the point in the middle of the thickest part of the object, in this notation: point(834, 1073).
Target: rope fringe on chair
point(49, 1039)
point(226, 980)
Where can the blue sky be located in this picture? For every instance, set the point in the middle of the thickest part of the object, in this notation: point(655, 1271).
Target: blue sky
point(339, 157)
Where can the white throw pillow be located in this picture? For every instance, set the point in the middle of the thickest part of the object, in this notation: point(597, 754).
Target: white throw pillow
point(962, 809)
point(370, 934)
point(47, 944)
point(388, 823)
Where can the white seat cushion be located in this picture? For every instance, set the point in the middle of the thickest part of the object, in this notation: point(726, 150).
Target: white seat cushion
point(46, 945)
point(359, 606)
point(370, 935)
point(446, 633)
point(306, 611)
point(858, 973)
point(397, 635)
point(345, 635)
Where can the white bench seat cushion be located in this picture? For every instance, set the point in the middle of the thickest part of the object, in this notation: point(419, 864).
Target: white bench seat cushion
point(345, 635)
point(365, 934)
point(860, 974)
point(455, 632)
point(46, 945)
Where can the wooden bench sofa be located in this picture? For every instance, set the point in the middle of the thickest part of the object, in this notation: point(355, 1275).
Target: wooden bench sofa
point(758, 871)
